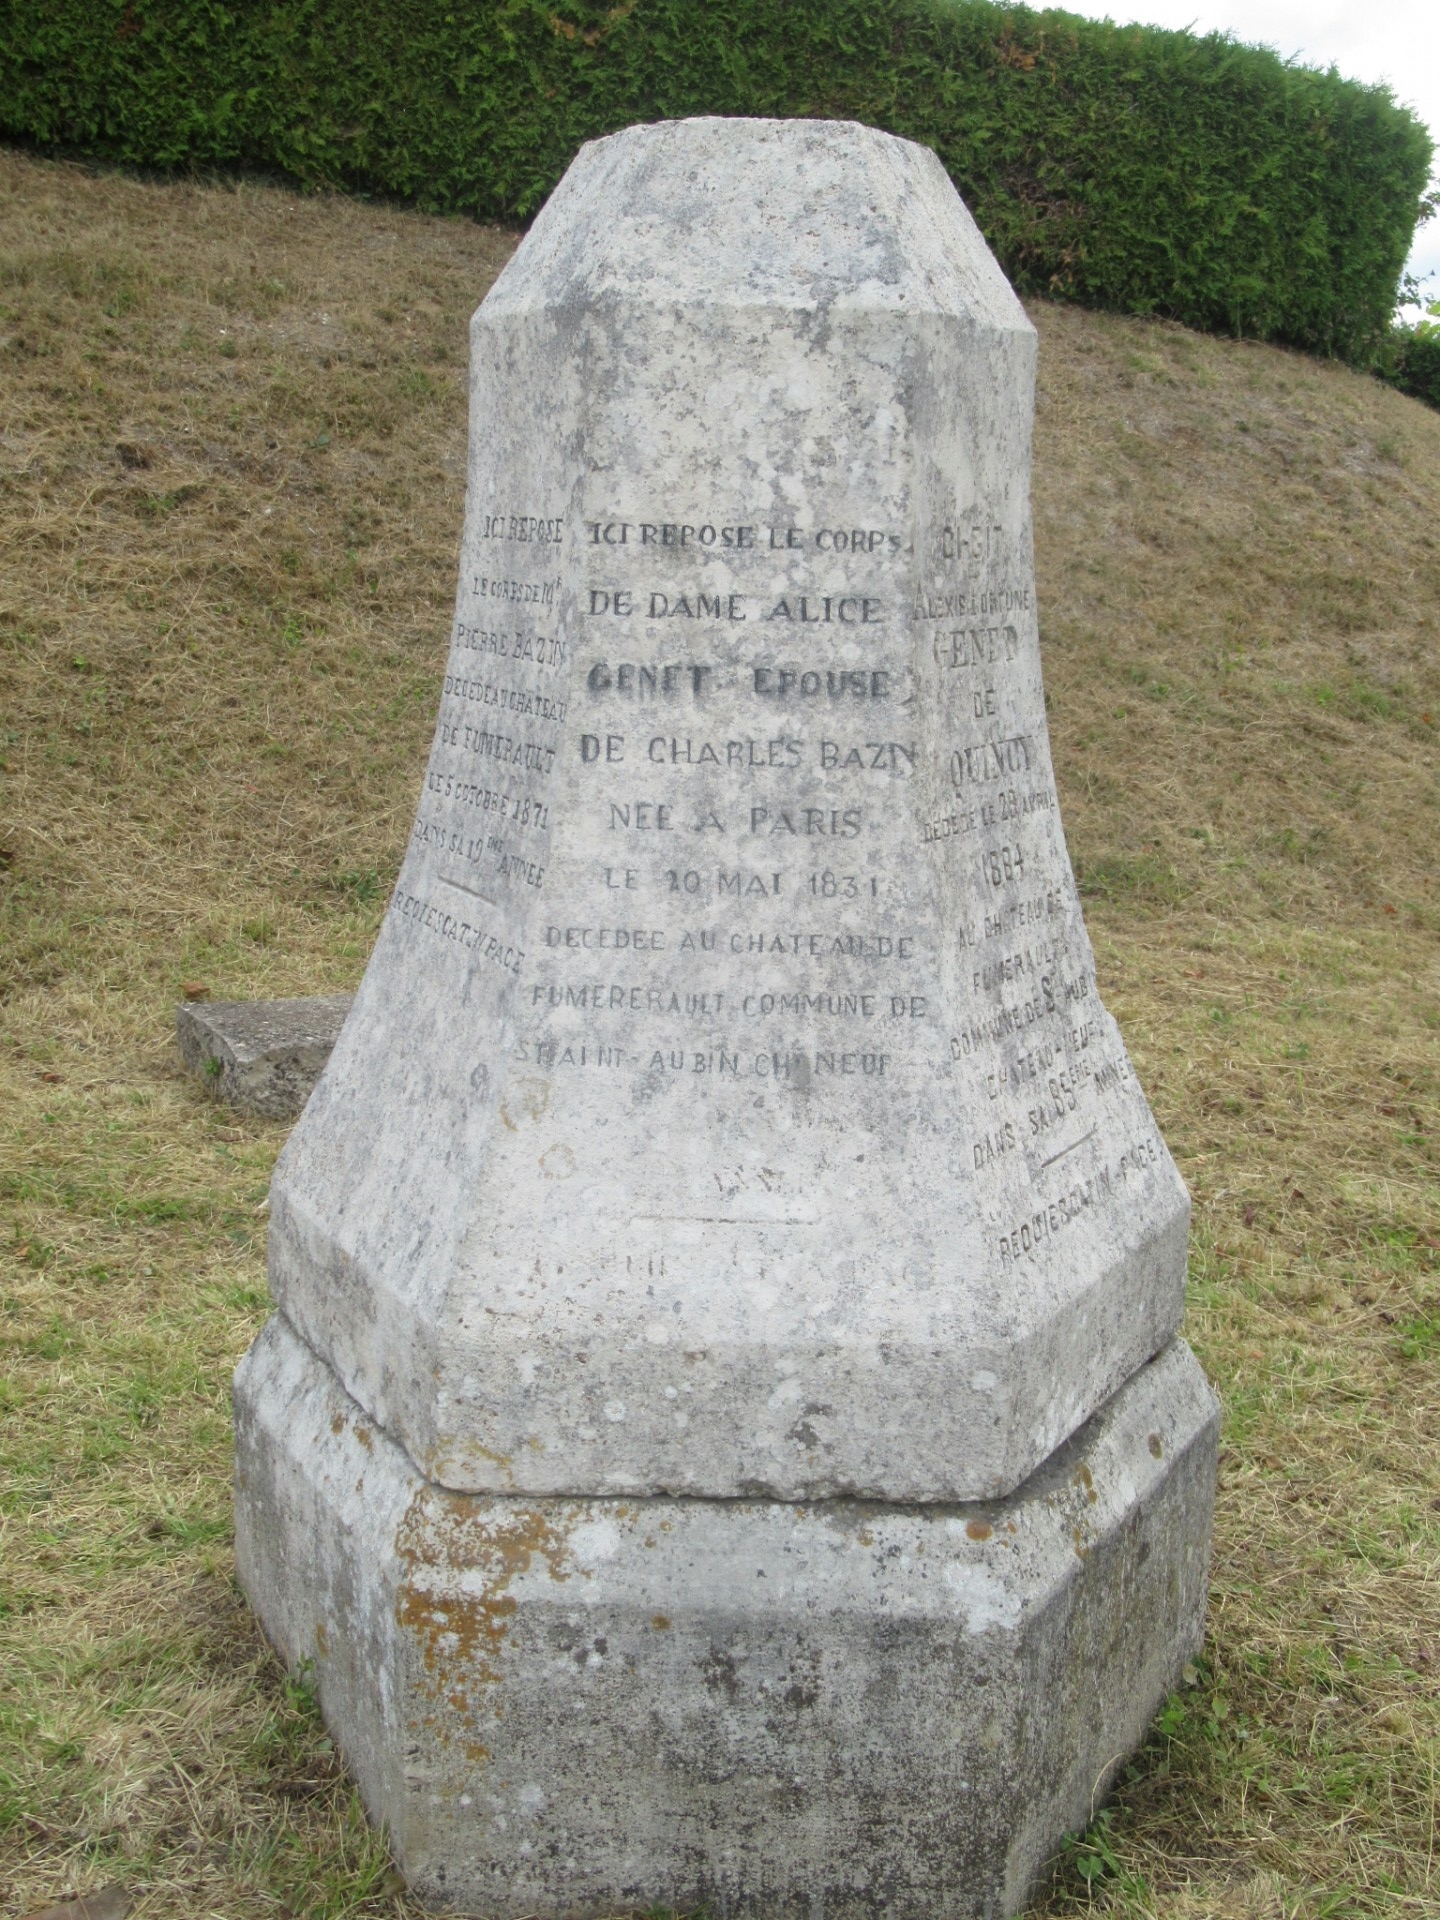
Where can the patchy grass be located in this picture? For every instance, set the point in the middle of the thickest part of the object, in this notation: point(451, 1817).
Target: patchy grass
point(231, 467)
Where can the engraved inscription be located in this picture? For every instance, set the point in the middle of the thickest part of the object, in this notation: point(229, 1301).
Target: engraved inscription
point(726, 809)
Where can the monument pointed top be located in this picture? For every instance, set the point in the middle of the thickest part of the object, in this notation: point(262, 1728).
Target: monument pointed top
point(735, 213)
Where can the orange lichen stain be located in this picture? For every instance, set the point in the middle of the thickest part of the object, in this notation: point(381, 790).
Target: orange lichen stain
point(977, 1530)
point(1081, 1548)
point(648, 1541)
point(439, 1462)
point(660, 1621)
point(366, 1438)
point(1082, 1477)
point(322, 1640)
point(864, 1538)
point(460, 1629)
point(1156, 1446)
point(337, 1425)
point(473, 1750)
point(525, 1100)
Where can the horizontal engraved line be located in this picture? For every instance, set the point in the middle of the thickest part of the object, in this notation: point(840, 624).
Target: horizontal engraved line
point(725, 1219)
point(461, 886)
point(1070, 1149)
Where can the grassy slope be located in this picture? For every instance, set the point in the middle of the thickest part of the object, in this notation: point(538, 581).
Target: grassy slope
point(231, 465)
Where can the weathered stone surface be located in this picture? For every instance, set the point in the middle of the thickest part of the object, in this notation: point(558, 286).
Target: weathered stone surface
point(728, 1107)
point(723, 1438)
point(573, 1706)
point(262, 1055)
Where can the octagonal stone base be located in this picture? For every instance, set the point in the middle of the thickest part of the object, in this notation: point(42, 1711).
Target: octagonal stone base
point(569, 1706)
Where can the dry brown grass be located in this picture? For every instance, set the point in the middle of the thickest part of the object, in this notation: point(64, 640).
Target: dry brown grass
point(231, 463)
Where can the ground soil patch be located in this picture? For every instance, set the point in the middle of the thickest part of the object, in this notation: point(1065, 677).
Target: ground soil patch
point(232, 446)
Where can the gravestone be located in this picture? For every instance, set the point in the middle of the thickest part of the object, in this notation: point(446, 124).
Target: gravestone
point(723, 1436)
point(262, 1056)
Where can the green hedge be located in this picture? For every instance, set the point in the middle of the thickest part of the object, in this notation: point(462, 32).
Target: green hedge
point(1412, 359)
point(1121, 167)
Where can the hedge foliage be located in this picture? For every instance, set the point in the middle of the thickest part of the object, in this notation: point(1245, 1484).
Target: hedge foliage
point(1412, 360)
point(1122, 167)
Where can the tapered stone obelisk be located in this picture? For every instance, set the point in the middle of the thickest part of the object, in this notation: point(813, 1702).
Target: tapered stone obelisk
point(723, 1437)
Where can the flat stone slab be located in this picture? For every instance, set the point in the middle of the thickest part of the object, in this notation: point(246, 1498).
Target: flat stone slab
point(263, 1056)
point(569, 1707)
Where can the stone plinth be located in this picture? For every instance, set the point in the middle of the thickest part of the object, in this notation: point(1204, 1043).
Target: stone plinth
point(728, 1148)
point(263, 1056)
point(578, 1706)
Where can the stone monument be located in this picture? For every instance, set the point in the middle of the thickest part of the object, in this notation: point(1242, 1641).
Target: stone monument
point(723, 1437)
